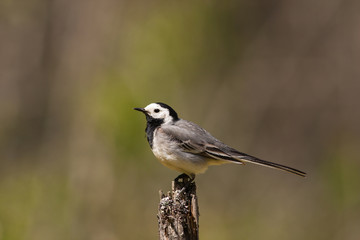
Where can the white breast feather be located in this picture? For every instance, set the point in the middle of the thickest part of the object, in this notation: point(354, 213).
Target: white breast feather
point(171, 156)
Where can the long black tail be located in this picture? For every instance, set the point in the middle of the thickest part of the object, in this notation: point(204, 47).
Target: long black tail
point(248, 158)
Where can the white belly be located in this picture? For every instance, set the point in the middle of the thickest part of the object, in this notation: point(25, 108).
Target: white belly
point(171, 156)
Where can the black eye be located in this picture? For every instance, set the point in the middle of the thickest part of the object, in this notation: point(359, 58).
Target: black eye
point(156, 110)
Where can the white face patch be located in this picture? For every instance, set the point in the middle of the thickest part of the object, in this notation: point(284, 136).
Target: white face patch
point(156, 111)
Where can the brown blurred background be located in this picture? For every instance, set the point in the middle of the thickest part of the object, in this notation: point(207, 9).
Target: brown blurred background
point(276, 79)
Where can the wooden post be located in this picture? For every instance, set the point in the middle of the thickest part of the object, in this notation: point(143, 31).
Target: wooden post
point(178, 214)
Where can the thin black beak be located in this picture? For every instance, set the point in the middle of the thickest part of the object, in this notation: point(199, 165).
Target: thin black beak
point(141, 110)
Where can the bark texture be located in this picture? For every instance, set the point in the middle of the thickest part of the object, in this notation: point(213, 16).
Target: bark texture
point(178, 214)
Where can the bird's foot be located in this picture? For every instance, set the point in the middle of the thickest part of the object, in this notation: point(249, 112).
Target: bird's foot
point(184, 181)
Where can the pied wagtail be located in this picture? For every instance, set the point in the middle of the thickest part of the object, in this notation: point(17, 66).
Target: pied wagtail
point(184, 146)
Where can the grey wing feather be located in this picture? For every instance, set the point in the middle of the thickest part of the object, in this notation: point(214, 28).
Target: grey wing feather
point(194, 139)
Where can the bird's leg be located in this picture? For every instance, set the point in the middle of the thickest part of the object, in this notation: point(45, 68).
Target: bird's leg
point(185, 178)
point(192, 176)
point(184, 181)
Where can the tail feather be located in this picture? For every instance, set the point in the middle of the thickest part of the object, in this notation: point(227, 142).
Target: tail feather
point(247, 158)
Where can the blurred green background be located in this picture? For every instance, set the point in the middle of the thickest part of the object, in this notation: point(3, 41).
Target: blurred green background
point(276, 79)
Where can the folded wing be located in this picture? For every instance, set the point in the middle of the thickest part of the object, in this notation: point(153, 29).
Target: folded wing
point(196, 140)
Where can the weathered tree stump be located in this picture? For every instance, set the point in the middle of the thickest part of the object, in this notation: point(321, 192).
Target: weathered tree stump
point(178, 214)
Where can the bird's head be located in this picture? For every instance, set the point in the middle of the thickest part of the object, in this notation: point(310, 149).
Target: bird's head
point(159, 111)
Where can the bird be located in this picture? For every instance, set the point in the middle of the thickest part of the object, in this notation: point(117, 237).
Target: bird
point(186, 147)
